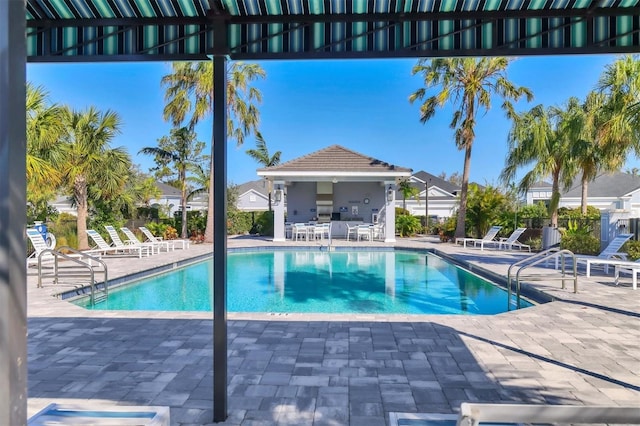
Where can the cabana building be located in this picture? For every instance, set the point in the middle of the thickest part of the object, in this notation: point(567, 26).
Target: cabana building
point(338, 186)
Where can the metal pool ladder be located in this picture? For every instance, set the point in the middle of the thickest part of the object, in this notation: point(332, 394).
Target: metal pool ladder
point(543, 256)
point(79, 267)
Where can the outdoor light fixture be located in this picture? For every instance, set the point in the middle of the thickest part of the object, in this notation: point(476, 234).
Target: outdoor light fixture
point(278, 195)
point(390, 194)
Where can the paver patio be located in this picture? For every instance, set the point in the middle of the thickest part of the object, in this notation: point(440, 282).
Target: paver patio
point(327, 369)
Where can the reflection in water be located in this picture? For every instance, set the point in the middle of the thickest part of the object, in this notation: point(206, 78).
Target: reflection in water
point(315, 281)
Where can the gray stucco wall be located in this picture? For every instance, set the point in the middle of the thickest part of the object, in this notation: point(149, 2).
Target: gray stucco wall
point(301, 200)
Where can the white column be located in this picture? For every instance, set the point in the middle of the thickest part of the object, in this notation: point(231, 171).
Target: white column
point(13, 189)
point(390, 212)
point(278, 211)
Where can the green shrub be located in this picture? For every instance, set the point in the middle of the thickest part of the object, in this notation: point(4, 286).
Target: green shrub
point(239, 222)
point(580, 243)
point(264, 224)
point(407, 225)
point(64, 228)
point(535, 243)
point(632, 248)
point(157, 229)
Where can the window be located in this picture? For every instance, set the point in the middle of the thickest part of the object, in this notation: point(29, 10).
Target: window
point(252, 198)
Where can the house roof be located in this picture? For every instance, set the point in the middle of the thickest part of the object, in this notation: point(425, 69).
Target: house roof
point(138, 30)
point(259, 186)
point(335, 160)
point(541, 184)
point(607, 185)
point(436, 181)
point(168, 190)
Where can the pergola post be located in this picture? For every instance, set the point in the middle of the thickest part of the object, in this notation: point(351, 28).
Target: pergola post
point(13, 247)
point(390, 212)
point(220, 222)
point(278, 211)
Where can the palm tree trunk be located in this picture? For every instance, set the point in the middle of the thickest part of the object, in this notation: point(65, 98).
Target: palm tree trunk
point(462, 211)
point(555, 198)
point(80, 195)
point(208, 232)
point(183, 203)
point(585, 191)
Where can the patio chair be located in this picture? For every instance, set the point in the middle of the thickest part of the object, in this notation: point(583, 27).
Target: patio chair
point(488, 238)
point(103, 247)
point(609, 256)
point(512, 241)
point(167, 245)
point(300, 230)
point(352, 230)
point(364, 231)
point(153, 239)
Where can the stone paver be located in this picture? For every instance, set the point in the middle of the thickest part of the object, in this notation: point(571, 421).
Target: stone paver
point(322, 369)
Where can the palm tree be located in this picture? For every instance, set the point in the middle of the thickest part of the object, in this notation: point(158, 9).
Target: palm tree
point(261, 155)
point(189, 91)
point(408, 191)
point(89, 167)
point(45, 127)
point(619, 132)
point(539, 138)
point(469, 83)
point(181, 151)
point(588, 150)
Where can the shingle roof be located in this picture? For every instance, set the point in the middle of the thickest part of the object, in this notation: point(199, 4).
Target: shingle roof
point(259, 186)
point(338, 159)
point(168, 190)
point(436, 181)
point(607, 185)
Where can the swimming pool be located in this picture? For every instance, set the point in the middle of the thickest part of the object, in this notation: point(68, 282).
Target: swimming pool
point(381, 282)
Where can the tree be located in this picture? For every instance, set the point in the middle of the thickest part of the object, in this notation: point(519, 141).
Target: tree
point(588, 150)
point(261, 155)
point(181, 152)
point(90, 169)
point(189, 91)
point(408, 191)
point(470, 84)
point(485, 207)
point(45, 128)
point(540, 138)
point(453, 178)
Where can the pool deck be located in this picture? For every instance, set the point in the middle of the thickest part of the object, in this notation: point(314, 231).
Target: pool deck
point(328, 369)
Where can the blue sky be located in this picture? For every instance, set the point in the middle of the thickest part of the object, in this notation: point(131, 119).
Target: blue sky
point(308, 105)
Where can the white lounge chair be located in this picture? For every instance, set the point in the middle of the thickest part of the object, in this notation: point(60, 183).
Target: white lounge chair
point(153, 239)
point(103, 247)
point(40, 245)
point(117, 242)
point(627, 266)
point(473, 414)
point(511, 242)
point(488, 238)
point(606, 256)
point(167, 245)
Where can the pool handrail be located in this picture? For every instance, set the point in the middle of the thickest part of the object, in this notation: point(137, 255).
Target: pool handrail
point(535, 260)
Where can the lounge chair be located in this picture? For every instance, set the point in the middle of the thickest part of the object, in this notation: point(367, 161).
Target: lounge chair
point(153, 239)
point(103, 247)
point(488, 238)
point(40, 245)
point(132, 239)
point(609, 256)
point(473, 414)
point(511, 242)
point(627, 266)
point(117, 242)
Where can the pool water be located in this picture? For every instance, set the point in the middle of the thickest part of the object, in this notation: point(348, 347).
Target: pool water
point(381, 282)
